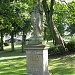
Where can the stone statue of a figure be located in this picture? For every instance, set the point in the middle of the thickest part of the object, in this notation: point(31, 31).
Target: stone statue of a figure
point(37, 19)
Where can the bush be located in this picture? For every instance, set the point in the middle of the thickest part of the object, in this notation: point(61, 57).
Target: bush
point(71, 46)
point(59, 49)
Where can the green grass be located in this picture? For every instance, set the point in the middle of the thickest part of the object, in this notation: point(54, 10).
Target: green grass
point(13, 67)
point(16, 47)
point(64, 65)
point(50, 44)
point(7, 51)
point(57, 66)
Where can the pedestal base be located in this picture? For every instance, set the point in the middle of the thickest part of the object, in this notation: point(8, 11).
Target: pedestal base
point(37, 59)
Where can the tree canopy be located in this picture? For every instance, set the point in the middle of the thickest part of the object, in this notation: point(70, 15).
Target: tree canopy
point(15, 17)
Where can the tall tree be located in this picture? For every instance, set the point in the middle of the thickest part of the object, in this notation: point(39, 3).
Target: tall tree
point(25, 29)
point(49, 13)
point(1, 31)
point(10, 16)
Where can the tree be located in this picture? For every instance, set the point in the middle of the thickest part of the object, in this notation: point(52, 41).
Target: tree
point(60, 17)
point(47, 33)
point(25, 29)
point(8, 17)
point(1, 31)
point(71, 18)
point(71, 29)
point(3, 20)
point(11, 16)
point(25, 16)
point(49, 13)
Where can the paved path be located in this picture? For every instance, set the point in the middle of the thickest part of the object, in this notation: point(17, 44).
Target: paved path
point(12, 57)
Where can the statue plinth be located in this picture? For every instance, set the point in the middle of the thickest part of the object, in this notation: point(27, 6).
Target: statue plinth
point(35, 40)
point(37, 59)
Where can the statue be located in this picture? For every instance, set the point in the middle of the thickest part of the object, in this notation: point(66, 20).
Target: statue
point(37, 20)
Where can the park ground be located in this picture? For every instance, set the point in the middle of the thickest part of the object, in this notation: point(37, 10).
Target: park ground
point(14, 63)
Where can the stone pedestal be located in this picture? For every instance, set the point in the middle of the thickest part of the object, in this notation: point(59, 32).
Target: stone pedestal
point(37, 59)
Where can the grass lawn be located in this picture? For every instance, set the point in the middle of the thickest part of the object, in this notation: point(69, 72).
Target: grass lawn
point(7, 51)
point(13, 67)
point(63, 65)
point(16, 66)
point(57, 66)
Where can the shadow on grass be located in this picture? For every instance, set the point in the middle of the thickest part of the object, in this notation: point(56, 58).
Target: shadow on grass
point(7, 51)
point(14, 73)
point(63, 71)
point(62, 65)
point(13, 67)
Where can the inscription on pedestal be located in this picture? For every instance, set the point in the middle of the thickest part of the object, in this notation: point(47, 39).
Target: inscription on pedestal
point(37, 61)
point(33, 58)
point(34, 52)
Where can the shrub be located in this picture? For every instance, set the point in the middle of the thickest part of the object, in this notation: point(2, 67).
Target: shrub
point(71, 46)
point(59, 49)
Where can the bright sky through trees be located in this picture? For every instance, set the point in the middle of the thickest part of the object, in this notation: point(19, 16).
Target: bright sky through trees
point(66, 0)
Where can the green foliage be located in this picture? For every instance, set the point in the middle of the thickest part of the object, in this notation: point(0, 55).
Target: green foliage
point(26, 25)
point(64, 16)
point(59, 17)
point(47, 33)
point(13, 11)
point(71, 29)
point(71, 46)
point(59, 49)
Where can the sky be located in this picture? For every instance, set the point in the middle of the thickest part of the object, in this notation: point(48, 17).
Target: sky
point(65, 0)
point(68, 0)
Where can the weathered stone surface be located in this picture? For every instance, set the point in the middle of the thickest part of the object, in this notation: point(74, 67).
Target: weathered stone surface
point(37, 23)
point(37, 53)
point(37, 60)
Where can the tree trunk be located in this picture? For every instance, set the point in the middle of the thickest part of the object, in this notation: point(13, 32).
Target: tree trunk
point(49, 12)
point(12, 41)
point(1, 40)
point(44, 33)
point(23, 41)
